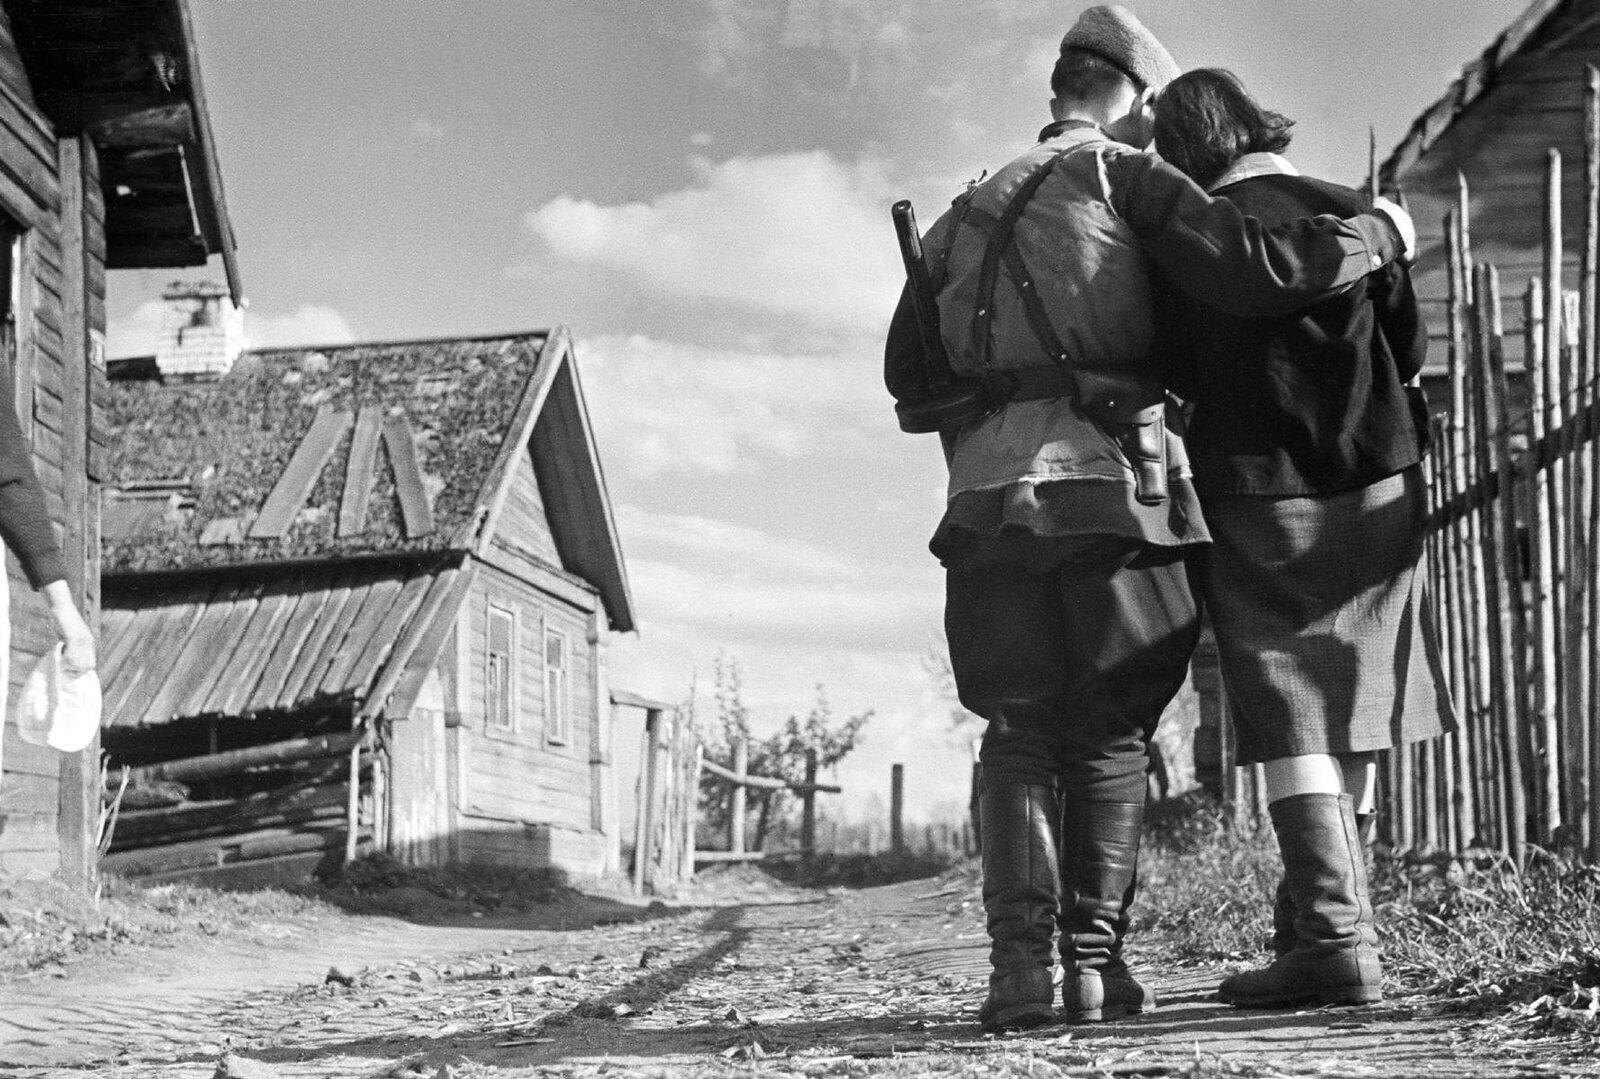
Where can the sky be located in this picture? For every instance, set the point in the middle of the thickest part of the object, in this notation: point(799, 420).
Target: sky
point(699, 190)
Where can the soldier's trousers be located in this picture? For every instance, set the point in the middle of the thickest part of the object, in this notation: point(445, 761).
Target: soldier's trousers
point(1071, 668)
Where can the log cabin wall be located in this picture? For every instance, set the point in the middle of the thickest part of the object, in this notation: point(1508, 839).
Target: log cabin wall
point(49, 188)
point(1493, 127)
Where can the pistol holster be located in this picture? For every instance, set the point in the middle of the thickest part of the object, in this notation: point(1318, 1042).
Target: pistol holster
point(1132, 409)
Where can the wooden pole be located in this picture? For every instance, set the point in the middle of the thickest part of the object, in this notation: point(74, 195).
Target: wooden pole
point(644, 810)
point(1505, 573)
point(1551, 652)
point(897, 794)
point(736, 814)
point(1542, 672)
point(352, 831)
point(1372, 163)
point(1584, 596)
point(1466, 646)
point(692, 803)
point(808, 810)
point(1440, 803)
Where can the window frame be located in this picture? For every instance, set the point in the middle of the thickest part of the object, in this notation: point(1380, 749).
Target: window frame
point(557, 698)
point(491, 722)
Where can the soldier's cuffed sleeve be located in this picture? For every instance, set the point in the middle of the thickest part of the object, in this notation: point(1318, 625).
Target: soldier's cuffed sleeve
point(24, 520)
point(1234, 263)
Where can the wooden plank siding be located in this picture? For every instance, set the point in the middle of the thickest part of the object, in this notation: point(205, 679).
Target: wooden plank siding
point(523, 528)
point(50, 187)
point(521, 776)
point(1534, 103)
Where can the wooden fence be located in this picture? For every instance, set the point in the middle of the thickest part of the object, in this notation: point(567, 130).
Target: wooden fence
point(1513, 556)
point(741, 782)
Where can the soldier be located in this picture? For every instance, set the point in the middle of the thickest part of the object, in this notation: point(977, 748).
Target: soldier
point(1069, 612)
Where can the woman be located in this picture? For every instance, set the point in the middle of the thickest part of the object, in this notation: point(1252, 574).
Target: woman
point(1305, 442)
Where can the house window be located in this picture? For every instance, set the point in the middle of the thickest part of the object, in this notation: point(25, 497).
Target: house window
point(557, 711)
point(500, 677)
point(11, 266)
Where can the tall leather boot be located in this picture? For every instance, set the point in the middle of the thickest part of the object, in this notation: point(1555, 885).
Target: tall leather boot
point(1283, 901)
point(1334, 959)
point(1099, 872)
point(1020, 881)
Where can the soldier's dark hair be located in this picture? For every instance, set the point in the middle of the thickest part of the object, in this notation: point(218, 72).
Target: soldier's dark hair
point(1205, 121)
point(1081, 75)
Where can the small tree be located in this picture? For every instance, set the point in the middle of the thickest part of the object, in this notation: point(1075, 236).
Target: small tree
point(780, 756)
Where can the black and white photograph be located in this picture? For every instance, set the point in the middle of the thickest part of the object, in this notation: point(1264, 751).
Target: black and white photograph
point(799, 538)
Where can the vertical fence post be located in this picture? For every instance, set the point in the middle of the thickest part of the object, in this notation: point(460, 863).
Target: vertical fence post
point(1513, 719)
point(1541, 674)
point(644, 811)
point(1466, 645)
point(1550, 653)
point(736, 812)
point(897, 788)
point(808, 810)
point(1585, 598)
point(692, 806)
point(974, 817)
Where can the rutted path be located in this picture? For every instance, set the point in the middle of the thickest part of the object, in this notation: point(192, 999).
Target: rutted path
point(818, 986)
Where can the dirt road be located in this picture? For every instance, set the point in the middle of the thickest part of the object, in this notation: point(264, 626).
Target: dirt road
point(877, 981)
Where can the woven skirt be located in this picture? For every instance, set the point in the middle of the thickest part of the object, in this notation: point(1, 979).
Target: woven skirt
point(1324, 634)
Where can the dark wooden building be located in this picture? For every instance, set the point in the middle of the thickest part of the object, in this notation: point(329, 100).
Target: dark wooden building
point(1493, 126)
point(106, 161)
point(400, 554)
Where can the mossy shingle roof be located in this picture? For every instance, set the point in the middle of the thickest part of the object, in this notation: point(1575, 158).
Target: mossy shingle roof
point(194, 462)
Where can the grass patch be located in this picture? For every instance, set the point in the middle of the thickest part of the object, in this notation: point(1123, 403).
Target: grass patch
point(859, 870)
point(1206, 884)
point(1479, 937)
point(46, 924)
point(377, 884)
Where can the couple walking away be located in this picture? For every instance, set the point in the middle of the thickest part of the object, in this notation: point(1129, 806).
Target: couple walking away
point(1085, 530)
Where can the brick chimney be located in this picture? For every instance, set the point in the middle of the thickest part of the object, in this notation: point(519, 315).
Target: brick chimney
point(202, 332)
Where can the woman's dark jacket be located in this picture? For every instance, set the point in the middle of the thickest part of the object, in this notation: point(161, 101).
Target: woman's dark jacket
point(1308, 404)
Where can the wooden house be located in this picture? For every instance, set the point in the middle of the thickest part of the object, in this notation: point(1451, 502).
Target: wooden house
point(106, 161)
point(363, 585)
point(1493, 127)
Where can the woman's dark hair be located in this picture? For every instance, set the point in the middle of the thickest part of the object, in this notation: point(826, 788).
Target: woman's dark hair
point(1205, 121)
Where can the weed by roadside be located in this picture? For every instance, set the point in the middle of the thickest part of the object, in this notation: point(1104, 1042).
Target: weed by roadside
point(1522, 949)
point(378, 884)
point(46, 923)
point(1525, 946)
point(859, 870)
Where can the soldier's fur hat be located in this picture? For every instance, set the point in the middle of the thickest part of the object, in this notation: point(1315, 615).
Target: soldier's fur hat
point(1116, 35)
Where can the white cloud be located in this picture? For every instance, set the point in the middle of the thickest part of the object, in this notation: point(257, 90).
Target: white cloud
point(425, 129)
point(137, 333)
point(668, 408)
point(801, 235)
point(310, 324)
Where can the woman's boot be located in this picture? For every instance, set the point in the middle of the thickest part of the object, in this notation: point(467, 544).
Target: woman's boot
point(1020, 879)
point(1099, 869)
point(1334, 959)
point(1283, 901)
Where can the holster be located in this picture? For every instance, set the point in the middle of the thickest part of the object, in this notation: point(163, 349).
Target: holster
point(1131, 407)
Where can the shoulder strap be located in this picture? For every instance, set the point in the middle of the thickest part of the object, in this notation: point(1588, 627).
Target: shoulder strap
point(1000, 247)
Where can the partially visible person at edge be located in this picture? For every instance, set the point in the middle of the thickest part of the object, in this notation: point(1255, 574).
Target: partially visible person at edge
point(1305, 441)
point(1069, 613)
point(26, 529)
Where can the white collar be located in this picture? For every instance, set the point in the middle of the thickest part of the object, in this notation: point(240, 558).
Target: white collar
point(1257, 164)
